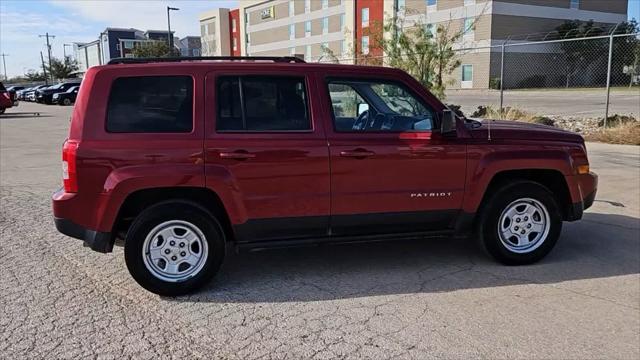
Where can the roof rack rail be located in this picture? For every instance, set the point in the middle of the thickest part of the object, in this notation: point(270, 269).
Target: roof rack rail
point(280, 59)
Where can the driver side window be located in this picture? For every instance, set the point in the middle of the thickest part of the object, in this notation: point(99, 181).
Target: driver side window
point(377, 106)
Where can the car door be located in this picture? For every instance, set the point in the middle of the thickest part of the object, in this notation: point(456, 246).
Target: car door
point(391, 171)
point(264, 145)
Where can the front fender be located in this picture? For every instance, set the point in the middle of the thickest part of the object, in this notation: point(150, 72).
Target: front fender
point(485, 164)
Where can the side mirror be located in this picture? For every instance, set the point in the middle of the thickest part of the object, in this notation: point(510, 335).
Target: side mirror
point(448, 122)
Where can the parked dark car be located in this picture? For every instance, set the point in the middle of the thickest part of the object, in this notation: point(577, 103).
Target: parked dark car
point(30, 95)
point(46, 95)
point(5, 99)
point(13, 91)
point(66, 98)
point(180, 161)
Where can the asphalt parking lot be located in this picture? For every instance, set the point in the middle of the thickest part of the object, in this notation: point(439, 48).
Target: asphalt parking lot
point(416, 299)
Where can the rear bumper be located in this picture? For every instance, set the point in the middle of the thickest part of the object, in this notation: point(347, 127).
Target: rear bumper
point(73, 222)
point(96, 240)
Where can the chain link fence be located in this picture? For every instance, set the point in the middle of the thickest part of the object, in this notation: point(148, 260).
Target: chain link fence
point(587, 78)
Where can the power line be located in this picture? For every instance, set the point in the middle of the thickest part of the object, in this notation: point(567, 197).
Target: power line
point(48, 49)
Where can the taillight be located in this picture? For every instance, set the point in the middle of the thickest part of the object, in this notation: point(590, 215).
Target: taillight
point(6, 95)
point(69, 174)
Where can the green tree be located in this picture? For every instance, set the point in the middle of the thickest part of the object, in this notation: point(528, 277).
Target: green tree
point(422, 51)
point(153, 49)
point(579, 54)
point(62, 69)
point(33, 75)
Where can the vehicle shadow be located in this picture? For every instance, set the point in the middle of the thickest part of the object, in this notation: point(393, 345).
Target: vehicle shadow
point(23, 115)
point(599, 246)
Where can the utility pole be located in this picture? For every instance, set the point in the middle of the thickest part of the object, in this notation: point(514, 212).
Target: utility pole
point(169, 27)
point(4, 63)
point(48, 48)
point(44, 69)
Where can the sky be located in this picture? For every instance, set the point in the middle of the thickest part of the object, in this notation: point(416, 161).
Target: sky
point(21, 21)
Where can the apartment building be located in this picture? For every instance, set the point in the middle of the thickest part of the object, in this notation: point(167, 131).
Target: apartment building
point(320, 30)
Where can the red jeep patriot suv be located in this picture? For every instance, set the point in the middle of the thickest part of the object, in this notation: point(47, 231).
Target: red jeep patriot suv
point(183, 159)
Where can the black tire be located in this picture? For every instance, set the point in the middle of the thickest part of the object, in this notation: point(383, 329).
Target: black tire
point(489, 222)
point(2, 110)
point(66, 102)
point(158, 214)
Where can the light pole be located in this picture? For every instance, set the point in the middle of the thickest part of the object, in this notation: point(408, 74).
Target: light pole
point(5, 65)
point(169, 27)
point(64, 49)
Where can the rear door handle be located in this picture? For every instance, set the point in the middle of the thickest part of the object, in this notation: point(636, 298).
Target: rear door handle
point(237, 155)
point(357, 153)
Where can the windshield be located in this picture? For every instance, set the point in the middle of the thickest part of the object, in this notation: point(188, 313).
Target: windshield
point(56, 86)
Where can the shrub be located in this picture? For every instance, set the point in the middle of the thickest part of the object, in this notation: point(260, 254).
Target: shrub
point(623, 133)
point(456, 109)
point(494, 83)
point(543, 120)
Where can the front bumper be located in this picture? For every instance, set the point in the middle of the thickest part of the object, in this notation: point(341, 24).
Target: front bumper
point(588, 185)
point(96, 240)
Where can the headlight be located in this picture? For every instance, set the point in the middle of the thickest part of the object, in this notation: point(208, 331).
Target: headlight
point(55, 96)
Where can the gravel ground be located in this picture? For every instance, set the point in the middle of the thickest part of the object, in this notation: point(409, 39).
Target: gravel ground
point(417, 299)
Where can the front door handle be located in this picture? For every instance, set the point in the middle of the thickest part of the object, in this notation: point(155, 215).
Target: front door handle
point(237, 155)
point(357, 153)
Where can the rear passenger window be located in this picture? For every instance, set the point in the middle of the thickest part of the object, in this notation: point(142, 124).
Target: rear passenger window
point(151, 104)
point(262, 103)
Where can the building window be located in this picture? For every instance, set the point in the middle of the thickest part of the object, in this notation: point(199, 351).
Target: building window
point(467, 73)
point(292, 31)
point(307, 28)
point(469, 2)
point(203, 30)
point(196, 52)
point(432, 2)
point(343, 48)
point(233, 25)
point(365, 45)
point(400, 5)
point(292, 51)
point(325, 25)
point(307, 53)
point(118, 46)
point(341, 21)
point(365, 17)
point(574, 4)
point(307, 6)
point(325, 4)
point(292, 8)
point(468, 26)
point(235, 44)
point(128, 44)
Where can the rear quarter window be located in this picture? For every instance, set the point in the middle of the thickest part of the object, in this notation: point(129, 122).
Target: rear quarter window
point(151, 104)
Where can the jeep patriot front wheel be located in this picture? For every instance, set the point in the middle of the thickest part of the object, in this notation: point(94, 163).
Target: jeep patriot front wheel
point(173, 248)
point(520, 223)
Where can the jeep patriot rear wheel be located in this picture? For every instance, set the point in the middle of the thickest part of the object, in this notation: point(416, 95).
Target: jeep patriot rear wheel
point(173, 248)
point(520, 223)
